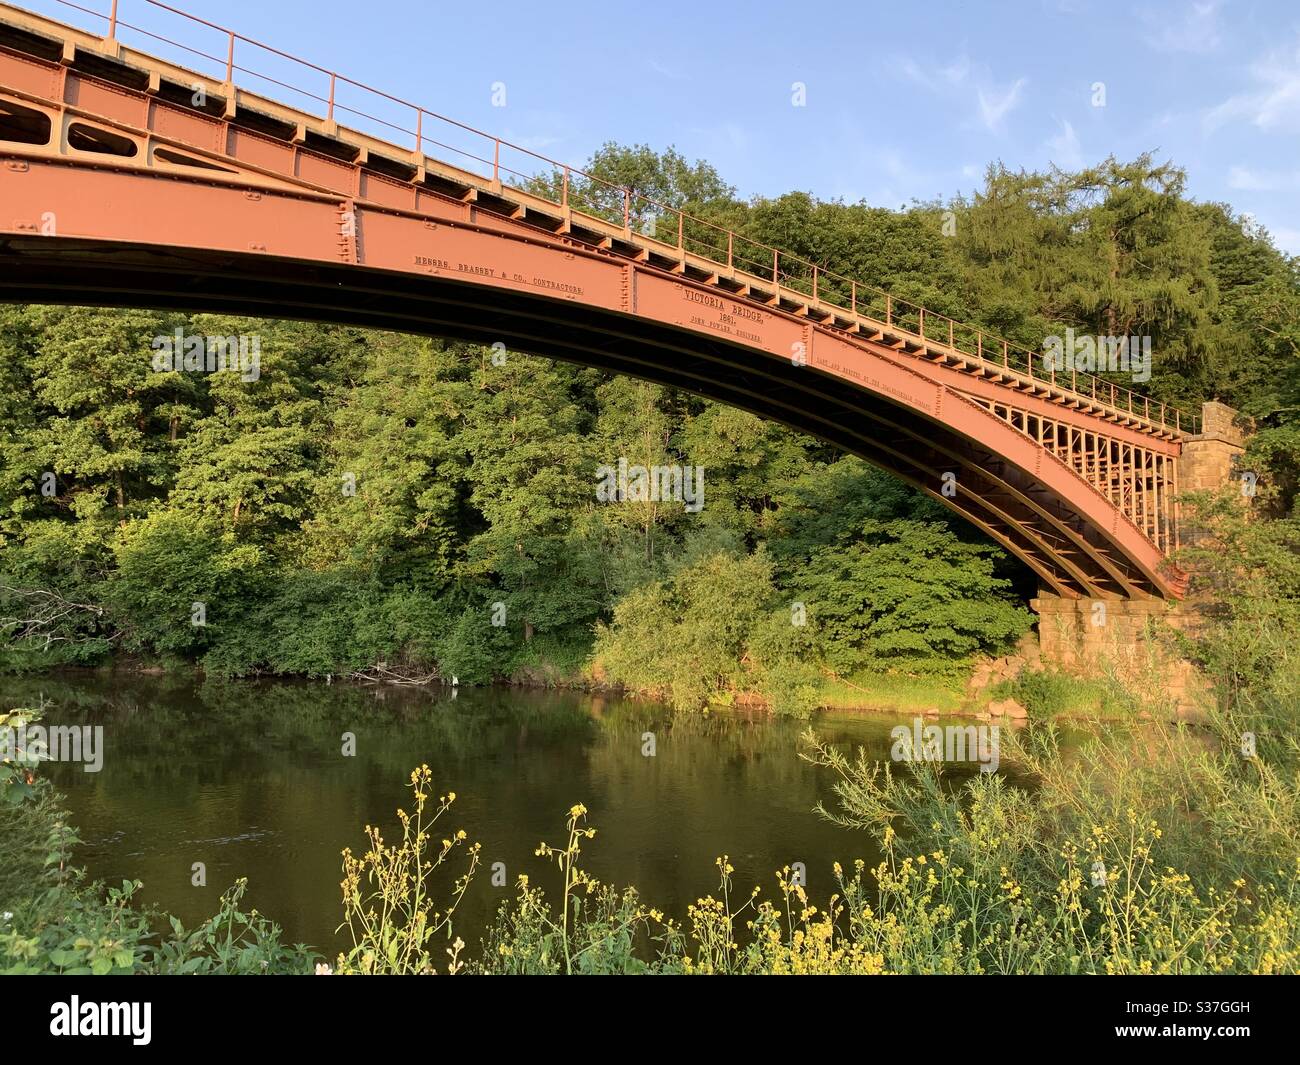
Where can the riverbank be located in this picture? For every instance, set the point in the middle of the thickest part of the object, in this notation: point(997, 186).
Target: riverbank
point(1154, 864)
point(1017, 688)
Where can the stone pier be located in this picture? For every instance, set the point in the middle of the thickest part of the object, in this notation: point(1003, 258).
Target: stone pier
point(1130, 637)
point(1082, 634)
point(1208, 459)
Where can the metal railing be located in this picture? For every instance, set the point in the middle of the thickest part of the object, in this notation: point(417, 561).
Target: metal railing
point(723, 248)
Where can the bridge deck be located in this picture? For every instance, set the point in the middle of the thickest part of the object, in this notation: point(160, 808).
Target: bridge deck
point(1086, 498)
point(791, 284)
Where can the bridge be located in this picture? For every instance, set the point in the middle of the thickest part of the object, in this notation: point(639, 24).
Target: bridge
point(127, 179)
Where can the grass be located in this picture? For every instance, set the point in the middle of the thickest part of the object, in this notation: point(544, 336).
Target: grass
point(895, 692)
point(1051, 695)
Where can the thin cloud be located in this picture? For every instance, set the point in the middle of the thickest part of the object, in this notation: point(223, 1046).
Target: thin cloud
point(665, 71)
point(1286, 239)
point(1240, 177)
point(994, 102)
point(1274, 104)
point(995, 105)
point(1065, 150)
point(1197, 31)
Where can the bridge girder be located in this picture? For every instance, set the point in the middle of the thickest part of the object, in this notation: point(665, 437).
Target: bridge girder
point(190, 211)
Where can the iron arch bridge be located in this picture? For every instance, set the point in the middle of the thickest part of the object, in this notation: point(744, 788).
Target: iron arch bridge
point(130, 180)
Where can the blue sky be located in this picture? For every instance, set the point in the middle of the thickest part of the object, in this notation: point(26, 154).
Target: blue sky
point(903, 99)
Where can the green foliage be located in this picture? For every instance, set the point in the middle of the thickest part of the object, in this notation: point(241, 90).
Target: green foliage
point(388, 893)
point(229, 943)
point(1273, 453)
point(908, 594)
point(686, 638)
point(167, 563)
point(1048, 694)
point(76, 931)
point(598, 929)
point(366, 501)
point(19, 763)
point(53, 921)
point(1246, 573)
point(472, 649)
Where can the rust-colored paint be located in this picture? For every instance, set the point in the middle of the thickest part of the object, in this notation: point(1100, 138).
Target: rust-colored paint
point(210, 214)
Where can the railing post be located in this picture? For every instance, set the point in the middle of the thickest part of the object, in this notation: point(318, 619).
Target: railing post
point(419, 131)
point(922, 317)
point(496, 160)
point(330, 113)
point(112, 22)
point(776, 268)
point(979, 344)
point(950, 335)
point(853, 296)
point(627, 206)
point(1006, 355)
point(230, 58)
point(730, 259)
point(681, 231)
point(564, 190)
point(814, 282)
point(889, 309)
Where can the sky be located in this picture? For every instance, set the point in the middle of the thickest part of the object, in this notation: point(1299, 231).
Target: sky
point(884, 102)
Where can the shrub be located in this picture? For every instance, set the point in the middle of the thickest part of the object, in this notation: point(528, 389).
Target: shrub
point(168, 562)
point(687, 638)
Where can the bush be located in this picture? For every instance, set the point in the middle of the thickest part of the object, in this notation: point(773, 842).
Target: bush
point(166, 564)
point(906, 594)
point(687, 638)
point(1046, 694)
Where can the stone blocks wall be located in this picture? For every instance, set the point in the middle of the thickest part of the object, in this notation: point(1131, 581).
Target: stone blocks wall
point(1207, 458)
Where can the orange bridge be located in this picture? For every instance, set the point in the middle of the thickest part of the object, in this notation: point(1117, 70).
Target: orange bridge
point(130, 180)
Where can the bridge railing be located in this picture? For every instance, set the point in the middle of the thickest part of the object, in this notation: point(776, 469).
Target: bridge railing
point(511, 165)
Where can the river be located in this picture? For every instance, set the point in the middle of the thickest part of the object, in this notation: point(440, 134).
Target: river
point(250, 779)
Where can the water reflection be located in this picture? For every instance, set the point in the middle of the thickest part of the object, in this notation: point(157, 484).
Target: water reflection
point(249, 779)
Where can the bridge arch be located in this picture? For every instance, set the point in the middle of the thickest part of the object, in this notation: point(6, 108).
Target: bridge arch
point(135, 197)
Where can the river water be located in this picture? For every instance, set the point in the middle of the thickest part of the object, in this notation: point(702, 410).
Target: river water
point(249, 778)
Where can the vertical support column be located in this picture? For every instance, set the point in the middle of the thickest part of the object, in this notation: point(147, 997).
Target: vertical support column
point(1157, 475)
point(1143, 490)
point(1140, 486)
point(1158, 478)
point(1130, 483)
point(1177, 506)
point(1146, 492)
point(1209, 457)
